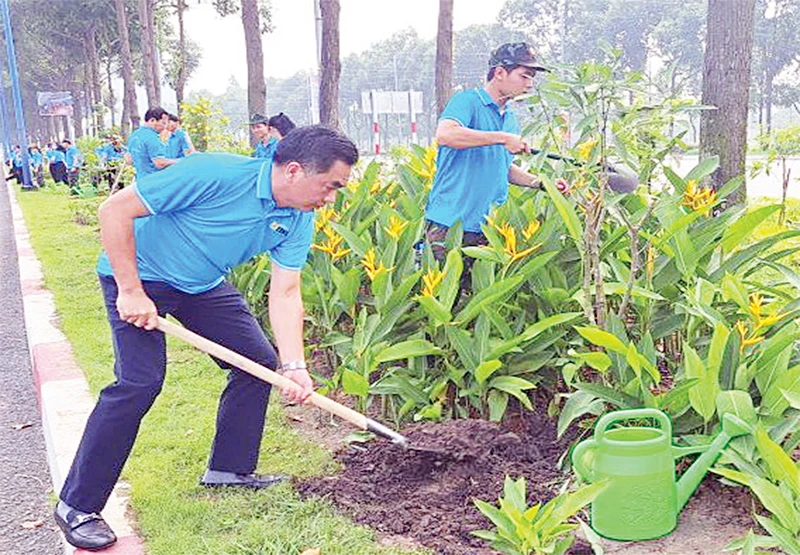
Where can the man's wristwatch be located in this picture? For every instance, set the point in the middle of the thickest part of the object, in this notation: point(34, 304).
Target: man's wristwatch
point(290, 365)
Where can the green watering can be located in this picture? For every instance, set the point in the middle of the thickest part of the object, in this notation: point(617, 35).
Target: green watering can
point(642, 499)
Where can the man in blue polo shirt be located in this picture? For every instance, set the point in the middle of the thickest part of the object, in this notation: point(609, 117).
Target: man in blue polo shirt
point(266, 145)
point(145, 150)
point(478, 137)
point(73, 161)
point(169, 242)
point(179, 145)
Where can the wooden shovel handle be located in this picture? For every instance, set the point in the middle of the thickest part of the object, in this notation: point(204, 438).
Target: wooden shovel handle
point(259, 371)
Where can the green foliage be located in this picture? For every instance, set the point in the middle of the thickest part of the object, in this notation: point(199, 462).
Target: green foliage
point(204, 121)
point(533, 530)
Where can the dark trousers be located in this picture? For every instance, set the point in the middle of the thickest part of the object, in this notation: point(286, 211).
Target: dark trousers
point(436, 235)
point(58, 171)
point(222, 316)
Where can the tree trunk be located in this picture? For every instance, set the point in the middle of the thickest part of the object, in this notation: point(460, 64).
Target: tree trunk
point(726, 79)
point(444, 55)
point(130, 111)
point(256, 86)
point(330, 64)
point(180, 82)
point(149, 53)
point(768, 89)
point(94, 66)
point(111, 99)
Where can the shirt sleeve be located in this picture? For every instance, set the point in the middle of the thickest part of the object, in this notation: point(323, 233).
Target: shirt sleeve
point(460, 108)
point(155, 148)
point(292, 253)
point(176, 188)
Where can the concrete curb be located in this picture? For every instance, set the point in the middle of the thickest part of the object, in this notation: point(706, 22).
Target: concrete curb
point(64, 398)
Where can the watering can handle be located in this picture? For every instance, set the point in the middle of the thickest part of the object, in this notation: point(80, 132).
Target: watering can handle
point(579, 455)
point(606, 421)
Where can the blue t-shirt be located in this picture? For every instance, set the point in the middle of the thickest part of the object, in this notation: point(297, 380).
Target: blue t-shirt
point(177, 144)
point(55, 156)
point(266, 150)
point(208, 214)
point(469, 181)
point(144, 146)
point(73, 157)
point(36, 159)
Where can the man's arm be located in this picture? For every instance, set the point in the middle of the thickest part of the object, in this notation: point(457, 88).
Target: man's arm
point(162, 163)
point(518, 176)
point(451, 133)
point(286, 318)
point(116, 217)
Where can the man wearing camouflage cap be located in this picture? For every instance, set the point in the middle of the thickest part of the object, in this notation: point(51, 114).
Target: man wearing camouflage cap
point(478, 138)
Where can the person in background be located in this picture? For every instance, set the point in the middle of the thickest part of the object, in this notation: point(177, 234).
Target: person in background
point(37, 165)
point(279, 126)
point(111, 155)
point(259, 127)
point(16, 165)
point(145, 150)
point(74, 160)
point(57, 163)
point(179, 145)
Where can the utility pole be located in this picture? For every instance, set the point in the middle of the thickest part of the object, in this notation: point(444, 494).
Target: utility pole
point(315, 86)
point(19, 116)
point(6, 138)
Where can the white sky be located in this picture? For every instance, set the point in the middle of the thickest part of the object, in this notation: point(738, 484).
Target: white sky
point(291, 47)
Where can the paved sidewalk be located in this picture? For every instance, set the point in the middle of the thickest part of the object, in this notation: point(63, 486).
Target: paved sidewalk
point(62, 389)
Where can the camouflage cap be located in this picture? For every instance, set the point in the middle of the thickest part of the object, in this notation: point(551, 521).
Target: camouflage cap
point(515, 54)
point(258, 118)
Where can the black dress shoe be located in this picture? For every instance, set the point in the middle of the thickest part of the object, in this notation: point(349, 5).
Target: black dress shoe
point(250, 481)
point(86, 530)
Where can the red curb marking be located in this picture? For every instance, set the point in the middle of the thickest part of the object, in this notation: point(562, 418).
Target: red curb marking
point(128, 545)
point(54, 361)
point(32, 287)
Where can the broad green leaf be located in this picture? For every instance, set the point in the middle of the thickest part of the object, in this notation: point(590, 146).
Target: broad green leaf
point(354, 383)
point(791, 276)
point(632, 356)
point(531, 332)
point(514, 386)
point(448, 289)
point(360, 246)
point(610, 395)
point(566, 210)
point(774, 501)
point(488, 297)
point(596, 360)
point(603, 339)
point(706, 167)
point(717, 349)
point(742, 229)
point(775, 401)
point(775, 346)
point(782, 468)
point(578, 404)
point(435, 310)
point(486, 369)
point(738, 403)
point(703, 395)
point(408, 349)
point(734, 290)
point(788, 542)
point(462, 342)
point(498, 402)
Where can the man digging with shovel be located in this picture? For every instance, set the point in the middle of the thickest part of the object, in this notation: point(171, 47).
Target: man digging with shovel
point(169, 241)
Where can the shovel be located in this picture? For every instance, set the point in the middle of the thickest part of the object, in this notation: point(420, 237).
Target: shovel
point(618, 181)
point(263, 373)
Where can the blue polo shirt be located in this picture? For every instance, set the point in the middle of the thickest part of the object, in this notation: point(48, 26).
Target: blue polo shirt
point(470, 181)
point(55, 156)
point(266, 150)
point(144, 146)
point(208, 214)
point(36, 159)
point(177, 144)
point(73, 157)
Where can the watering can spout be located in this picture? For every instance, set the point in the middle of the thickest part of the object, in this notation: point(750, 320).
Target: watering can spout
point(732, 426)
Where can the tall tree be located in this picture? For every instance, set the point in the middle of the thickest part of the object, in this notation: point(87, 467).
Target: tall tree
point(444, 55)
point(147, 23)
point(330, 64)
point(130, 110)
point(726, 80)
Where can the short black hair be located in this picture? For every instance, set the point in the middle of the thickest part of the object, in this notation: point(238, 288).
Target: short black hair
point(282, 123)
point(173, 117)
point(66, 141)
point(157, 112)
point(316, 148)
point(509, 69)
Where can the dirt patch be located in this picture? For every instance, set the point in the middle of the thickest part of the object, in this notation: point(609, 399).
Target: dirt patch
point(428, 497)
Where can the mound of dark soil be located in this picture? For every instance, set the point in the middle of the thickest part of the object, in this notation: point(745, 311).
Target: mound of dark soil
point(428, 496)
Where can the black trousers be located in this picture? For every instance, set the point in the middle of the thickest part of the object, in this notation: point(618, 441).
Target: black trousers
point(222, 316)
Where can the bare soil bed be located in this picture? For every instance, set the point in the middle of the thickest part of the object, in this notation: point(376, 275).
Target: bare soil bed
point(426, 499)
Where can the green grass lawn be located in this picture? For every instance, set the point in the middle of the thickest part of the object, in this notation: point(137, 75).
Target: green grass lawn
point(175, 515)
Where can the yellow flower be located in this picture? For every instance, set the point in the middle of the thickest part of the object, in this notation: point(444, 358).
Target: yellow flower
point(396, 227)
point(741, 327)
point(509, 235)
point(431, 281)
point(331, 244)
point(371, 265)
point(650, 265)
point(767, 321)
point(699, 198)
point(531, 229)
point(756, 302)
point(376, 186)
point(352, 186)
point(324, 215)
point(586, 147)
point(425, 167)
